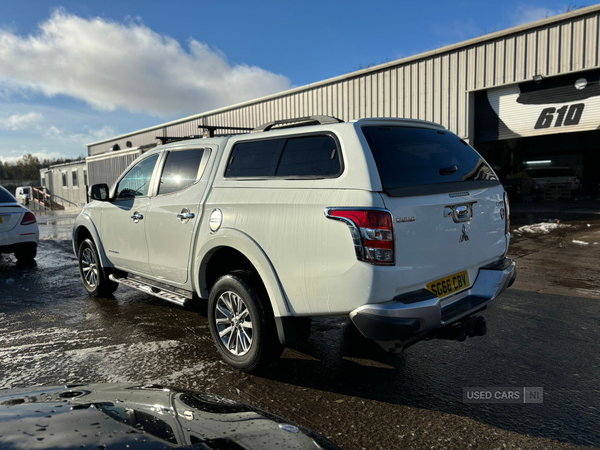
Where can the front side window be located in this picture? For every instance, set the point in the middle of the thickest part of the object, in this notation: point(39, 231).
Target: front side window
point(313, 156)
point(180, 170)
point(75, 179)
point(137, 181)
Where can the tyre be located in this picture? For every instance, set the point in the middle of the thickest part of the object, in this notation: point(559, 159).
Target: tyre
point(26, 254)
point(242, 326)
point(91, 272)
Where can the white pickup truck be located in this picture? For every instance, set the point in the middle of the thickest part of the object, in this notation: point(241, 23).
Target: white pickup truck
point(398, 224)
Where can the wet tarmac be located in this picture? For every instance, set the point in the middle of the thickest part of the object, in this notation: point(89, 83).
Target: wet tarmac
point(543, 332)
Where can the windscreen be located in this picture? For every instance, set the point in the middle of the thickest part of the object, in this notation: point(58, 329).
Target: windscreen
point(6, 197)
point(423, 156)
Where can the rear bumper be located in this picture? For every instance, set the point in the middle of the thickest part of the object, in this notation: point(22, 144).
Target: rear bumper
point(12, 248)
point(421, 313)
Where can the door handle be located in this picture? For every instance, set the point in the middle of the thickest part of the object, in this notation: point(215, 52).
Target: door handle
point(185, 215)
point(137, 217)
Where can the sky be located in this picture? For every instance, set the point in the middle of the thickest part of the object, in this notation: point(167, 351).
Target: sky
point(74, 72)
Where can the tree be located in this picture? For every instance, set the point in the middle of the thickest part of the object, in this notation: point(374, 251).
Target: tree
point(29, 166)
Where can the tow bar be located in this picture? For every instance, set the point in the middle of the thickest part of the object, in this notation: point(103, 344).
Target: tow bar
point(470, 327)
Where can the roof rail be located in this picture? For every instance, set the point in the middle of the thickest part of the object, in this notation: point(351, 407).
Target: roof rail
point(212, 128)
point(298, 122)
point(166, 139)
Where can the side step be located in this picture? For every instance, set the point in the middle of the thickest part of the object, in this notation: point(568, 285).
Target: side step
point(169, 296)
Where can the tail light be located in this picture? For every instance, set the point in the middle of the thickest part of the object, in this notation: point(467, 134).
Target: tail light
point(28, 219)
point(575, 180)
point(372, 232)
point(506, 214)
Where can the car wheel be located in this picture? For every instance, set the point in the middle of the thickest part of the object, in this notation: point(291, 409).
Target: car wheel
point(27, 254)
point(91, 272)
point(241, 326)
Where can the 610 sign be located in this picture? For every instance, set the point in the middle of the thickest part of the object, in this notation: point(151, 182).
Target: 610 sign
point(567, 115)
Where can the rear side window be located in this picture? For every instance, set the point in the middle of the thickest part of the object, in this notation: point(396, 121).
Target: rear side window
point(255, 159)
point(309, 156)
point(408, 157)
point(306, 156)
point(180, 170)
point(6, 197)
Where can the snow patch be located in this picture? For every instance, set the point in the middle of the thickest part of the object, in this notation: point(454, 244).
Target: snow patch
point(541, 228)
point(575, 241)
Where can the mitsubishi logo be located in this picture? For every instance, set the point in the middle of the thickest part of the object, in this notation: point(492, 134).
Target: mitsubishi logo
point(464, 236)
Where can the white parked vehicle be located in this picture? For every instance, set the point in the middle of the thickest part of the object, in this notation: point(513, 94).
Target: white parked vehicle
point(551, 175)
point(23, 195)
point(19, 232)
point(398, 224)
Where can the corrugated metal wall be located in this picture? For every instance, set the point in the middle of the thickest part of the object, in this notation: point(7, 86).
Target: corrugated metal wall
point(434, 86)
point(107, 169)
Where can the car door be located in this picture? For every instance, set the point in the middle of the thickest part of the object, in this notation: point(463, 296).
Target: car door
point(123, 218)
point(174, 211)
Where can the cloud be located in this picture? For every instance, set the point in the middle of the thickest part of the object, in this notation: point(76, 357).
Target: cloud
point(529, 13)
point(113, 65)
point(41, 155)
point(21, 121)
point(80, 138)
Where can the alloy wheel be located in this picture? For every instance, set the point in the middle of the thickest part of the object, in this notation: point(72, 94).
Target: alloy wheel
point(234, 324)
point(89, 267)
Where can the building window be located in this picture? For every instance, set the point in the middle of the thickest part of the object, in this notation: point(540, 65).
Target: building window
point(75, 176)
point(64, 179)
point(85, 183)
point(43, 177)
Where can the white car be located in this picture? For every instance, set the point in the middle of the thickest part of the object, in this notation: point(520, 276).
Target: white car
point(23, 195)
point(397, 224)
point(19, 233)
point(551, 175)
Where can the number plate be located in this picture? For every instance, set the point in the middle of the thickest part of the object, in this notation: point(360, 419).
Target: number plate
point(450, 285)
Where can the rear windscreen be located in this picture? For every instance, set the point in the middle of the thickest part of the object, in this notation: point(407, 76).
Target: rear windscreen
point(422, 156)
point(5, 197)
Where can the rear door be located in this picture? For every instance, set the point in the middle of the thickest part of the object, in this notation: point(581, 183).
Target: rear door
point(174, 212)
point(123, 219)
point(447, 204)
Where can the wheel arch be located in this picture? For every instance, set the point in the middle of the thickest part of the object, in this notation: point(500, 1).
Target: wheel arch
point(83, 229)
point(233, 242)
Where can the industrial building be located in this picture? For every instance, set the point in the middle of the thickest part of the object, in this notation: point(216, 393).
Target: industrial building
point(529, 95)
point(67, 183)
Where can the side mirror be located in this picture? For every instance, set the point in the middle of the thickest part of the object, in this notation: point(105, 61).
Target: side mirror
point(99, 192)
